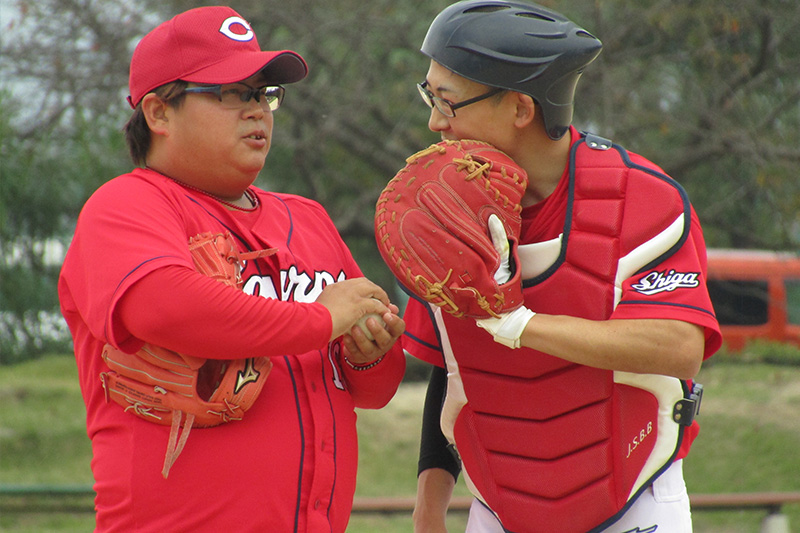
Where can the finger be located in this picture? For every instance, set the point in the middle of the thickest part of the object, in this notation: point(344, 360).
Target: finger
point(378, 307)
point(353, 353)
point(363, 349)
point(395, 326)
point(369, 289)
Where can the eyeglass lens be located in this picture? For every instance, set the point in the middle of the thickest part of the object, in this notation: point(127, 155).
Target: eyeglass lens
point(431, 100)
point(235, 95)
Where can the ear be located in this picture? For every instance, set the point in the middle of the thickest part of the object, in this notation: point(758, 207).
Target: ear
point(156, 113)
point(525, 110)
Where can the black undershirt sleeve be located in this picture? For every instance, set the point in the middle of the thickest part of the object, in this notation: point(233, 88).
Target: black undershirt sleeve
point(434, 451)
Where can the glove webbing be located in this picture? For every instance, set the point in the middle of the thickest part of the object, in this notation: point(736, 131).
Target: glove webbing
point(435, 290)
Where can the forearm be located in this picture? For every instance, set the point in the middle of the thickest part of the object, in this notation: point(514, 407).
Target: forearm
point(182, 310)
point(645, 346)
point(434, 491)
point(437, 468)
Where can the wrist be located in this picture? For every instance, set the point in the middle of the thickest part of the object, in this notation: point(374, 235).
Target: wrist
point(360, 367)
point(508, 329)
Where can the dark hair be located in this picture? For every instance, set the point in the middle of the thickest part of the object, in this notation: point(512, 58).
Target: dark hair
point(137, 133)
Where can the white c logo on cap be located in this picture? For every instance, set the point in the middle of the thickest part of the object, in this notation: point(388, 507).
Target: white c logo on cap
point(225, 29)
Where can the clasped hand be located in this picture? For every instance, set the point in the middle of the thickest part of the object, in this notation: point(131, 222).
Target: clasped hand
point(350, 300)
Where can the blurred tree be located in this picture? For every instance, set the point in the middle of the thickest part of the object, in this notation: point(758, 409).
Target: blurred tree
point(47, 174)
point(707, 89)
point(710, 91)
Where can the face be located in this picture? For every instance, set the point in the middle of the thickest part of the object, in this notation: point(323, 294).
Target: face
point(217, 149)
point(489, 120)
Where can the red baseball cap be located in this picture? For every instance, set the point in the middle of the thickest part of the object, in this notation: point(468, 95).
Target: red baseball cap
point(206, 45)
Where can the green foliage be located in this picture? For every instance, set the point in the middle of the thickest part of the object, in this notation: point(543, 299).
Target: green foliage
point(46, 178)
point(706, 89)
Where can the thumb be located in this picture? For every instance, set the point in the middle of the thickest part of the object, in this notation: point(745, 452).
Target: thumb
point(500, 241)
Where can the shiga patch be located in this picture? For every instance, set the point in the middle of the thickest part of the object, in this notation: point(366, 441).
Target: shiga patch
point(656, 282)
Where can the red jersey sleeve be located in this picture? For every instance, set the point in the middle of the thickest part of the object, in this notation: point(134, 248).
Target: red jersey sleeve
point(374, 387)
point(674, 289)
point(421, 338)
point(236, 325)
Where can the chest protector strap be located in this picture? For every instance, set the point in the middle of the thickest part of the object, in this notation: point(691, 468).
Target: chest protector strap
point(546, 444)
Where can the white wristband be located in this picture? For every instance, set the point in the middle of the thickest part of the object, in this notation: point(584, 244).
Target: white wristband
point(507, 329)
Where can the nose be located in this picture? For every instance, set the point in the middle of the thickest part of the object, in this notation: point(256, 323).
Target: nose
point(437, 121)
point(254, 109)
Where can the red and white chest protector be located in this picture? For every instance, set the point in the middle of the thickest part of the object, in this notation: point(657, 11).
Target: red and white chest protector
point(545, 443)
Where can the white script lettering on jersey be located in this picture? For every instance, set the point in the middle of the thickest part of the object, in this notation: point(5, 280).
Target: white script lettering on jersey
point(294, 286)
point(656, 282)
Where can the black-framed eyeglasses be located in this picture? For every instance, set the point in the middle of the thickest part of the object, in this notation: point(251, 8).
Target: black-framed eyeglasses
point(446, 107)
point(237, 95)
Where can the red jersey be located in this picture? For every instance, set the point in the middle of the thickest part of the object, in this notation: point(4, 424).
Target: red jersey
point(290, 463)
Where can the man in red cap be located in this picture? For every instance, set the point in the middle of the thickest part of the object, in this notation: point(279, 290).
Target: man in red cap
point(203, 94)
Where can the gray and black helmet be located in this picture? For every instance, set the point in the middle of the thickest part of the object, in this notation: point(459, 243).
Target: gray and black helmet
point(517, 46)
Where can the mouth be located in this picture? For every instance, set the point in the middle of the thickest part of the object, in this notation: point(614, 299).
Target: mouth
point(257, 136)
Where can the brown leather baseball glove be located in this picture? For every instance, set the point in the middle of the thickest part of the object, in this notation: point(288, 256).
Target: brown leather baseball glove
point(433, 231)
point(162, 386)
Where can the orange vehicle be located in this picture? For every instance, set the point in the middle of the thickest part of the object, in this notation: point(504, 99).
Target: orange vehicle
point(756, 295)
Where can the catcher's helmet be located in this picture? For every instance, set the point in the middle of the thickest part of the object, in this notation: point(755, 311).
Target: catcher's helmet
point(517, 46)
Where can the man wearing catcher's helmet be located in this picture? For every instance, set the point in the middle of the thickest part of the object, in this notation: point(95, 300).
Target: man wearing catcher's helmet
point(156, 332)
point(574, 411)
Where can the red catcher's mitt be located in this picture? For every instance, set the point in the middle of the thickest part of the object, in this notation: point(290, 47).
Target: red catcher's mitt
point(162, 386)
point(431, 225)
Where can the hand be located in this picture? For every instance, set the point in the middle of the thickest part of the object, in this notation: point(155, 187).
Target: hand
point(351, 299)
point(359, 349)
point(507, 329)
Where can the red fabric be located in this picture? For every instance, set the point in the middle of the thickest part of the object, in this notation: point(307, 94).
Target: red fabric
point(266, 327)
point(290, 464)
point(608, 220)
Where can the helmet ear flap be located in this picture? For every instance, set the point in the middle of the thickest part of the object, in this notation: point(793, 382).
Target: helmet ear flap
point(517, 46)
point(560, 105)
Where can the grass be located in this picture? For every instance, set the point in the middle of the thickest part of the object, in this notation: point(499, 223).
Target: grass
point(749, 441)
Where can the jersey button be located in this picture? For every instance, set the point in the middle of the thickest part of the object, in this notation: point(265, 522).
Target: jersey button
point(317, 504)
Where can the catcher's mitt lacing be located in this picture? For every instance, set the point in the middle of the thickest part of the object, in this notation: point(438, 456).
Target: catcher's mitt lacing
point(176, 443)
point(475, 169)
point(436, 290)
